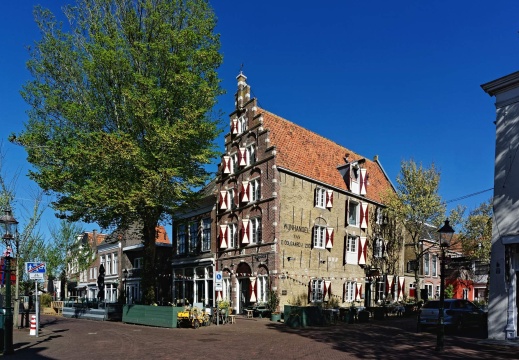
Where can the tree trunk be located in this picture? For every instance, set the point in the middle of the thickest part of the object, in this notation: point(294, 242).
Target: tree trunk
point(148, 273)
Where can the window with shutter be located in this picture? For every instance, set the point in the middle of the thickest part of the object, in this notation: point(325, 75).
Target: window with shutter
point(351, 256)
point(226, 164)
point(363, 250)
point(233, 235)
point(255, 227)
point(353, 213)
point(223, 201)
point(242, 157)
point(244, 192)
point(329, 238)
point(329, 199)
point(364, 215)
point(319, 236)
point(316, 290)
point(320, 197)
point(251, 152)
point(253, 290)
point(224, 237)
point(354, 178)
point(255, 190)
point(245, 231)
point(358, 292)
point(349, 291)
point(363, 182)
point(234, 126)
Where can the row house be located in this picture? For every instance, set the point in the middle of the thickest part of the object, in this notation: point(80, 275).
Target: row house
point(121, 254)
point(293, 214)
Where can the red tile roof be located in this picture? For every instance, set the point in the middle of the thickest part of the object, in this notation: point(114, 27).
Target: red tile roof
point(309, 154)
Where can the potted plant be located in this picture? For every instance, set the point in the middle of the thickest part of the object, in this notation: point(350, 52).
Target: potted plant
point(272, 305)
point(223, 306)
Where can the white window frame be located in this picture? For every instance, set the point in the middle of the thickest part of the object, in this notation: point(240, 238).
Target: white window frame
point(234, 163)
point(352, 244)
point(242, 124)
point(319, 240)
point(430, 289)
point(251, 153)
point(349, 291)
point(262, 286)
point(193, 236)
point(320, 198)
point(255, 190)
point(434, 266)
point(353, 216)
point(233, 235)
point(317, 294)
point(232, 200)
point(378, 248)
point(426, 264)
point(255, 226)
point(137, 263)
point(206, 234)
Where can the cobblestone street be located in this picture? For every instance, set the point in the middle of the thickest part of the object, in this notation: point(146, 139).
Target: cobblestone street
point(394, 338)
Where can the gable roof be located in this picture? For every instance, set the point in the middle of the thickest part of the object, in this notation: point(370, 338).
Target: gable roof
point(292, 144)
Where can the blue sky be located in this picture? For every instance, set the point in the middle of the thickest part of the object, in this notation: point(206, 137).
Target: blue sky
point(398, 79)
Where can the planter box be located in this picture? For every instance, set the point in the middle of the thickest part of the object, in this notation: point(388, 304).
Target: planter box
point(161, 316)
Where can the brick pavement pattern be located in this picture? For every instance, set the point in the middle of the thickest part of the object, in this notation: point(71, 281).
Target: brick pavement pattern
point(65, 338)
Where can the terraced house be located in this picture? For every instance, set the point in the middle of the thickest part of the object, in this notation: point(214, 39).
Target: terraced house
point(293, 212)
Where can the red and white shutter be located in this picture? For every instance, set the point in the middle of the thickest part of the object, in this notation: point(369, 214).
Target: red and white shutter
point(244, 192)
point(327, 290)
point(243, 159)
point(363, 182)
point(329, 199)
point(358, 291)
point(245, 231)
point(223, 201)
point(234, 126)
point(224, 237)
point(364, 215)
point(219, 296)
point(389, 284)
point(329, 238)
point(227, 164)
point(363, 250)
point(401, 287)
point(253, 289)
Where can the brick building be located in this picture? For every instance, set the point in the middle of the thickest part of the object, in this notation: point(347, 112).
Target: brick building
point(294, 213)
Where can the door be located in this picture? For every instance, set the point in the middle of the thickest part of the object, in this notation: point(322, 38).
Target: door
point(244, 295)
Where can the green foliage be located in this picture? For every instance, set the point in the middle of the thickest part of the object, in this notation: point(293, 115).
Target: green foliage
point(45, 300)
point(273, 301)
point(120, 125)
point(476, 232)
point(224, 304)
point(449, 291)
point(416, 203)
point(67, 248)
point(299, 300)
point(333, 303)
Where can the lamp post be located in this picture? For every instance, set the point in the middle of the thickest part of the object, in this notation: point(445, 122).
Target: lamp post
point(125, 281)
point(446, 232)
point(9, 228)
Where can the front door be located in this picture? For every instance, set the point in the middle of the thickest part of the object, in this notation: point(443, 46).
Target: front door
point(244, 294)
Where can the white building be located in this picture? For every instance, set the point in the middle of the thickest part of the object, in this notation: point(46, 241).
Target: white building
point(504, 261)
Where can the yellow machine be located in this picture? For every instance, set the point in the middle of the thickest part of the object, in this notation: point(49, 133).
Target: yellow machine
point(193, 317)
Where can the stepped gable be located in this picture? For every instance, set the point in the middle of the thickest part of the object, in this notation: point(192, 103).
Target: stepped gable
point(309, 154)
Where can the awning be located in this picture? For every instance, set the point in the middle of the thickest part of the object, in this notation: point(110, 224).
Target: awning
point(184, 262)
point(510, 239)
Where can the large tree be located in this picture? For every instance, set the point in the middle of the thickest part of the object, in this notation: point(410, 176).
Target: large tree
point(120, 123)
point(416, 205)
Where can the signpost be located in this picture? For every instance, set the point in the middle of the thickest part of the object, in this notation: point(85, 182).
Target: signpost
point(36, 271)
point(218, 286)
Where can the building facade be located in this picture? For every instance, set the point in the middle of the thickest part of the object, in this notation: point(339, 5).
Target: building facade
point(504, 258)
point(295, 213)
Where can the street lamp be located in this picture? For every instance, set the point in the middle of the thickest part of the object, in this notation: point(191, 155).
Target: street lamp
point(446, 232)
point(9, 229)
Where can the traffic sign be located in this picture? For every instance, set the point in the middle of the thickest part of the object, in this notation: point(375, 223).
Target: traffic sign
point(218, 278)
point(36, 270)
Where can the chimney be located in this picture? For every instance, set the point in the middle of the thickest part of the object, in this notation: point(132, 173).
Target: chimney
point(243, 93)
